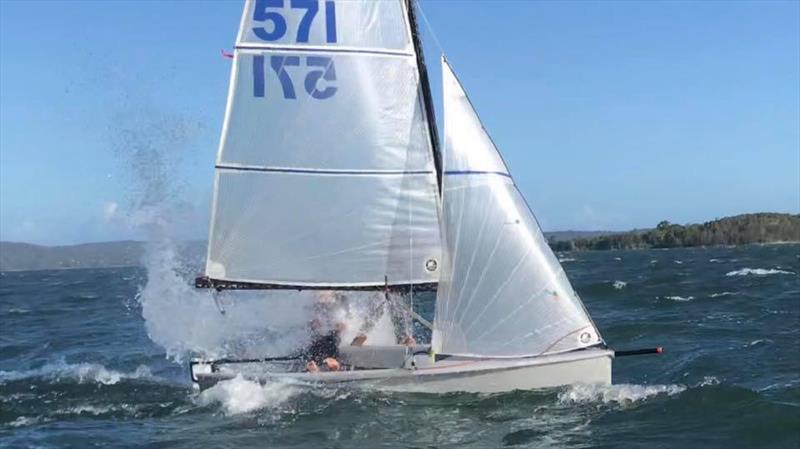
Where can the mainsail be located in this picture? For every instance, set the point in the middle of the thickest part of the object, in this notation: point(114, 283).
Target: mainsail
point(502, 292)
point(325, 176)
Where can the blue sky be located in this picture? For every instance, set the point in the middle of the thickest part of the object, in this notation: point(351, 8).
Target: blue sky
point(611, 115)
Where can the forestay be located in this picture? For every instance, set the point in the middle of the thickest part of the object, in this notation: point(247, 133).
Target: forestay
point(325, 174)
point(503, 292)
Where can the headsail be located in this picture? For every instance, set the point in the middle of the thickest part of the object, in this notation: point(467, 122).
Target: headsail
point(502, 291)
point(325, 173)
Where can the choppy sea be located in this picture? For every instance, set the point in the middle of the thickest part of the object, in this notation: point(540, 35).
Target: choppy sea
point(97, 358)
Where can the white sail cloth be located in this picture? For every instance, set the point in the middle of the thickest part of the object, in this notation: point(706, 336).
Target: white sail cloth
point(325, 173)
point(502, 292)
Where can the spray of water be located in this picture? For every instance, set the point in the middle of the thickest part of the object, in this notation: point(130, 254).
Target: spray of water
point(153, 148)
point(242, 396)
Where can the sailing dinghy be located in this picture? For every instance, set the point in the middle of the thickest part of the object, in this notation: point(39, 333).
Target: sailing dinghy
point(330, 176)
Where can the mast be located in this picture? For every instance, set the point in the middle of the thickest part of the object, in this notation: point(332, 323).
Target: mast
point(427, 98)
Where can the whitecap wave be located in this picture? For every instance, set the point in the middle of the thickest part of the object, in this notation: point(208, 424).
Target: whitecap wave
point(757, 272)
point(619, 285)
point(25, 421)
point(717, 295)
point(82, 372)
point(97, 410)
point(708, 380)
point(567, 259)
point(679, 298)
point(757, 342)
point(616, 394)
point(239, 395)
point(17, 311)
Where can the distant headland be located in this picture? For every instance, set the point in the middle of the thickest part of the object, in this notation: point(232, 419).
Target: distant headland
point(15, 256)
point(738, 230)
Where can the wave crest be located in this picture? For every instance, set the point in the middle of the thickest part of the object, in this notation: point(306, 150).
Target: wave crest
point(616, 394)
point(82, 372)
point(757, 272)
point(717, 295)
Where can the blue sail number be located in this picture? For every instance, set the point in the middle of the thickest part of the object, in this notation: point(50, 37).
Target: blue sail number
point(321, 67)
point(326, 71)
point(277, 22)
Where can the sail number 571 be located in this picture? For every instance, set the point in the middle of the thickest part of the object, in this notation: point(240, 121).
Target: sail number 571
point(318, 68)
point(270, 25)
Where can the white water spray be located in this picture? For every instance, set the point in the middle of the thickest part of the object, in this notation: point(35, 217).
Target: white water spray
point(183, 320)
point(153, 148)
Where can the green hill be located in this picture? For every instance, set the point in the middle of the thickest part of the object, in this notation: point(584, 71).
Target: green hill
point(736, 230)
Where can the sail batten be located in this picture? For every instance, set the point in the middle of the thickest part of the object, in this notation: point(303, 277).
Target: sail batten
point(321, 171)
point(362, 51)
point(326, 176)
point(519, 302)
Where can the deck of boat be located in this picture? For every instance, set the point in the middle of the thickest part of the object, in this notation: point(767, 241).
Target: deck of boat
point(484, 375)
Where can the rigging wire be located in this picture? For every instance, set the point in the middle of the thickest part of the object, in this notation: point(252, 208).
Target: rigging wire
point(429, 27)
point(410, 320)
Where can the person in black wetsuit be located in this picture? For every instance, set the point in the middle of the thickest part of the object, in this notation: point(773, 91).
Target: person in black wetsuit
point(324, 347)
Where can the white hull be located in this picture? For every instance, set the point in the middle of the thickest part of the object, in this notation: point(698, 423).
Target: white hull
point(590, 366)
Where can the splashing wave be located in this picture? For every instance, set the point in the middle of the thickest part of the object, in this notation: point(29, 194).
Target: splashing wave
point(238, 395)
point(82, 372)
point(618, 394)
point(757, 272)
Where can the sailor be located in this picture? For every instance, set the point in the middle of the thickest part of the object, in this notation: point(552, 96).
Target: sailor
point(326, 331)
point(324, 347)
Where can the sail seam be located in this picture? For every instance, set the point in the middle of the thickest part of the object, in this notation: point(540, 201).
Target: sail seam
point(475, 172)
point(315, 171)
point(326, 50)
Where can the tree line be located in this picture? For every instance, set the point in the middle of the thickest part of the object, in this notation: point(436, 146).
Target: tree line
point(737, 230)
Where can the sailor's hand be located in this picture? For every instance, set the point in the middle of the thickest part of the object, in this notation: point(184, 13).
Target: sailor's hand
point(332, 364)
point(359, 340)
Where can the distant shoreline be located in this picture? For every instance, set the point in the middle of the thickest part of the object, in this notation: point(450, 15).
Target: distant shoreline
point(740, 230)
point(741, 245)
point(140, 266)
point(760, 228)
point(21, 270)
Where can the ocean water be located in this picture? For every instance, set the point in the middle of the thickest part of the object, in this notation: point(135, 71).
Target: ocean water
point(96, 358)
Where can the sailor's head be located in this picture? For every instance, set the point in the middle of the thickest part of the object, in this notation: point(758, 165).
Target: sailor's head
point(318, 327)
point(326, 297)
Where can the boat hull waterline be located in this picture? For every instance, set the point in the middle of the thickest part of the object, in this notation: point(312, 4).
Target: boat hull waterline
point(591, 366)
